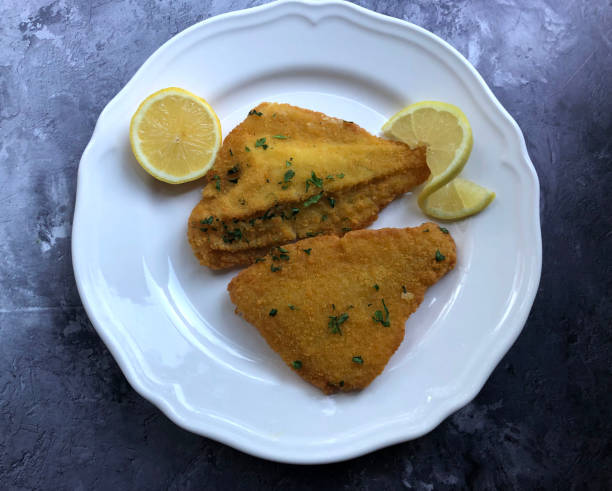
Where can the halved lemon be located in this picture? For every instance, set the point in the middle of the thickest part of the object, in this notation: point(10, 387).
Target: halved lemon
point(175, 135)
point(448, 135)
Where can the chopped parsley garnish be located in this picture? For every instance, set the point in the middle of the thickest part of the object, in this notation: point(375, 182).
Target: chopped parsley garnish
point(314, 180)
point(217, 183)
point(311, 234)
point(294, 211)
point(439, 256)
point(274, 269)
point(234, 181)
point(247, 149)
point(323, 218)
point(312, 200)
point(358, 360)
point(444, 230)
point(261, 142)
point(341, 383)
point(280, 137)
point(203, 229)
point(335, 321)
point(287, 163)
point(293, 307)
point(307, 251)
point(207, 221)
point(330, 177)
point(376, 287)
point(260, 259)
point(231, 153)
point(282, 249)
point(255, 112)
point(273, 312)
point(284, 257)
point(233, 170)
point(378, 316)
point(232, 235)
point(289, 175)
point(404, 289)
point(297, 364)
point(332, 202)
point(346, 229)
point(340, 176)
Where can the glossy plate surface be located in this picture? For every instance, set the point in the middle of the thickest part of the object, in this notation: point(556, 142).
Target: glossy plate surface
point(169, 322)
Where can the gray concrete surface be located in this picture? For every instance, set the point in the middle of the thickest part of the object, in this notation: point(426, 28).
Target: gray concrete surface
point(68, 418)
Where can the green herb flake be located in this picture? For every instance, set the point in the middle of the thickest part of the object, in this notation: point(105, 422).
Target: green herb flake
point(280, 137)
point(247, 149)
point(230, 152)
point(330, 177)
point(287, 163)
point(376, 287)
point(443, 230)
point(341, 383)
point(207, 221)
point(314, 180)
point(282, 249)
point(404, 289)
point(233, 170)
point(234, 181)
point(261, 142)
point(346, 229)
point(340, 176)
point(232, 235)
point(335, 321)
point(259, 260)
point(332, 202)
point(217, 183)
point(311, 234)
point(379, 317)
point(284, 257)
point(273, 312)
point(274, 269)
point(293, 307)
point(297, 364)
point(203, 229)
point(307, 251)
point(323, 218)
point(358, 360)
point(289, 175)
point(254, 112)
point(312, 200)
point(439, 256)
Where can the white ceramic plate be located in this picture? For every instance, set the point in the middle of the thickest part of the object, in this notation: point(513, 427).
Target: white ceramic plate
point(169, 321)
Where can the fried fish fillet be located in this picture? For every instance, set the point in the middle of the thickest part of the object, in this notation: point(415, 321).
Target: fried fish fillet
point(285, 154)
point(308, 174)
point(334, 308)
point(351, 210)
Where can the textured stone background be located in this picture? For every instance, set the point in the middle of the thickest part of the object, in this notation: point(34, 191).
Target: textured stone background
point(69, 420)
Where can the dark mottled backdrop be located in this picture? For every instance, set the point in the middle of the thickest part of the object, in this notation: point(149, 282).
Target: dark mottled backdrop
point(69, 420)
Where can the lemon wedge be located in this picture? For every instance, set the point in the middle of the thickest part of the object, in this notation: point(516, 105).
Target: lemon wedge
point(448, 135)
point(458, 199)
point(175, 135)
